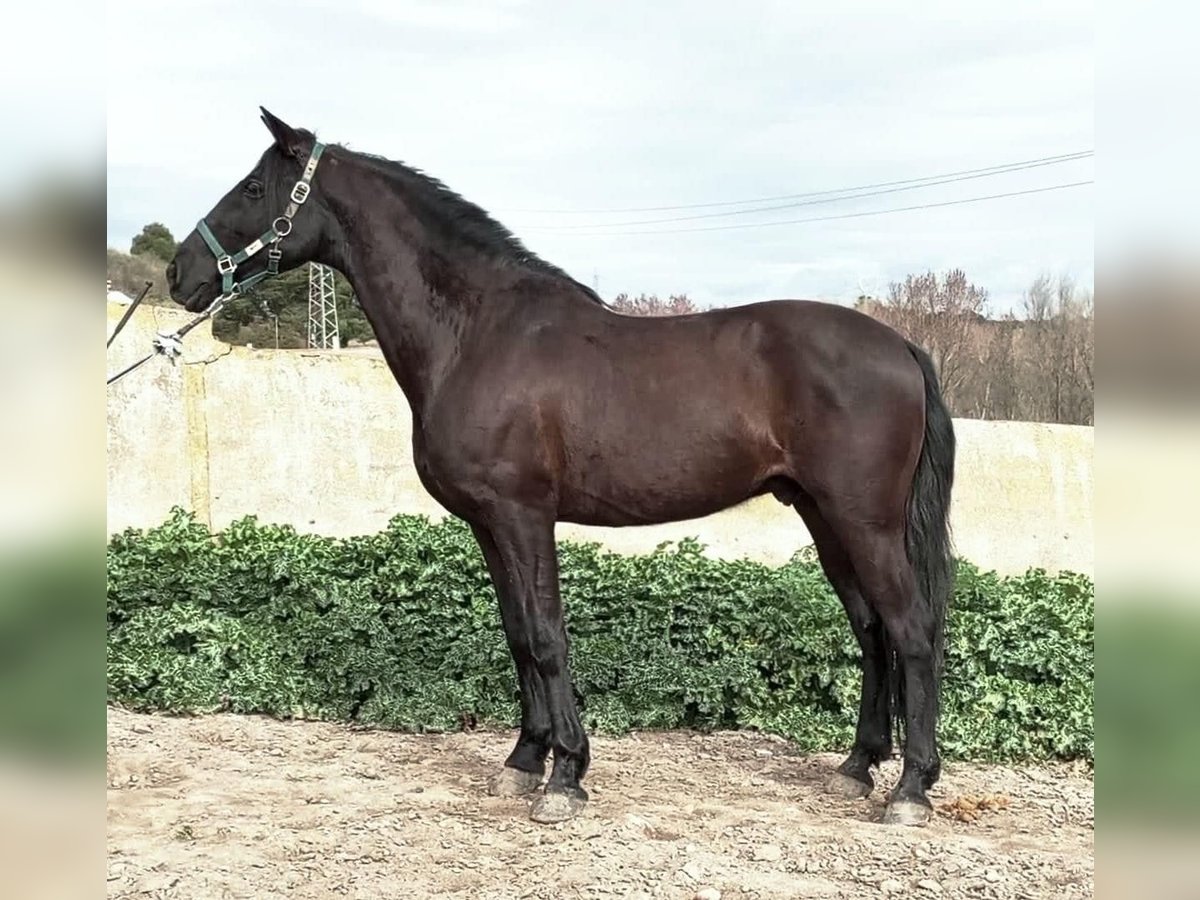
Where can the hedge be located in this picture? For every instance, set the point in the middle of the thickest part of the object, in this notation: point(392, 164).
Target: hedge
point(401, 630)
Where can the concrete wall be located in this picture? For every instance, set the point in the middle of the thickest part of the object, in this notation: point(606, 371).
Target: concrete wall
point(322, 441)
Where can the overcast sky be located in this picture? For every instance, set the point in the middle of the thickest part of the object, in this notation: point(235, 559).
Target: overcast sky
point(621, 105)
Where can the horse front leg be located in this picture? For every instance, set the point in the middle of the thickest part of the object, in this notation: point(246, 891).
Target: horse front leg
point(524, 541)
point(526, 765)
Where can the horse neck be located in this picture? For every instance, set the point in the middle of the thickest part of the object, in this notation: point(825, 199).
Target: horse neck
point(385, 251)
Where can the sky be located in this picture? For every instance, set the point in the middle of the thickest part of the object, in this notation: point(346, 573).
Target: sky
point(549, 115)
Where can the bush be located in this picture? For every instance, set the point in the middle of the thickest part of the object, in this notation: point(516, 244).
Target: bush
point(401, 630)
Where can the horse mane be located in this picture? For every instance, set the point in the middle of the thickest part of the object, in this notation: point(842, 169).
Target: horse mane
point(457, 218)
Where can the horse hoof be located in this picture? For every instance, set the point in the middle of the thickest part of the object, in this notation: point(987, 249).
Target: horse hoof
point(510, 782)
point(906, 812)
point(840, 785)
point(557, 806)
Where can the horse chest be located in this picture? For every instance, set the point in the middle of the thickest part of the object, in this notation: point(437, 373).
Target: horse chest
point(436, 474)
point(447, 472)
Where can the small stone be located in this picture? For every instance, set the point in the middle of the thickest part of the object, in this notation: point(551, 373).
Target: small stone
point(693, 870)
point(768, 853)
point(928, 884)
point(707, 893)
point(763, 753)
point(991, 875)
point(891, 886)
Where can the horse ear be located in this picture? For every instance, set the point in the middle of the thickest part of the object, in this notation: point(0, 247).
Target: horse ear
point(286, 137)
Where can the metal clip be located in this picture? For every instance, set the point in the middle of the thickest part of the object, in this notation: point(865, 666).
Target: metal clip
point(226, 265)
point(169, 345)
point(300, 192)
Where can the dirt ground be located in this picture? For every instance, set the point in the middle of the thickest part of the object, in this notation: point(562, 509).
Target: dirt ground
point(236, 806)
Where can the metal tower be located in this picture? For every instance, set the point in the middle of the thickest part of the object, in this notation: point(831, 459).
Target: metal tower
point(322, 308)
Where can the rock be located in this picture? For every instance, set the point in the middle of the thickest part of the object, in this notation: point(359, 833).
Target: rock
point(762, 753)
point(891, 886)
point(991, 875)
point(928, 884)
point(693, 870)
point(768, 853)
point(707, 893)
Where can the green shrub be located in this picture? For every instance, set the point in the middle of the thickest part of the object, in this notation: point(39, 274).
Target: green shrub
point(401, 630)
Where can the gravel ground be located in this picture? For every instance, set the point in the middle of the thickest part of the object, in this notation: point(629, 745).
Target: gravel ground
point(231, 806)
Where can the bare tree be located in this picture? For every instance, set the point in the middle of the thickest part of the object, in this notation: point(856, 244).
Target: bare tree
point(1037, 367)
point(1058, 352)
point(942, 315)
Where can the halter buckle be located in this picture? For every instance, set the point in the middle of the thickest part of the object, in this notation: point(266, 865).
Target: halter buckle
point(226, 265)
point(300, 192)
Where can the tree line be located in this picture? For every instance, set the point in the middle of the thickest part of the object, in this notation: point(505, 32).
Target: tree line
point(1035, 367)
point(1038, 366)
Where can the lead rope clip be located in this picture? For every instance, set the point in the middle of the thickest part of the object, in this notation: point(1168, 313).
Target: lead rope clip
point(169, 345)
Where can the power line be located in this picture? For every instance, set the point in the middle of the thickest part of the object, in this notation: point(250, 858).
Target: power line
point(933, 181)
point(855, 215)
point(1064, 157)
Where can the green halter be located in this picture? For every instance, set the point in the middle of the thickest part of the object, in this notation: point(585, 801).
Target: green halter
point(282, 226)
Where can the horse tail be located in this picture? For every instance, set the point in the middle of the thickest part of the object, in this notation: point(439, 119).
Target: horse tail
point(927, 528)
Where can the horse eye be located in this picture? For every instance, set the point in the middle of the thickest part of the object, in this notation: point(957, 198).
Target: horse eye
point(253, 190)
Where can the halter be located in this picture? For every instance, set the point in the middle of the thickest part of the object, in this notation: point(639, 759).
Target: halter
point(282, 226)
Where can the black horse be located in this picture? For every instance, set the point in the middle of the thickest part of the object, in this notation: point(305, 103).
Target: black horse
point(533, 402)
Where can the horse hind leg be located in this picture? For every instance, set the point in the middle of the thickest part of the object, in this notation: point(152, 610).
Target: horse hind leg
point(889, 585)
point(873, 734)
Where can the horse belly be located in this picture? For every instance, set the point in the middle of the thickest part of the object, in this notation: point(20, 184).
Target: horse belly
point(644, 481)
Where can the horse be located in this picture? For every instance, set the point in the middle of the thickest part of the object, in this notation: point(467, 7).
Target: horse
point(534, 402)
